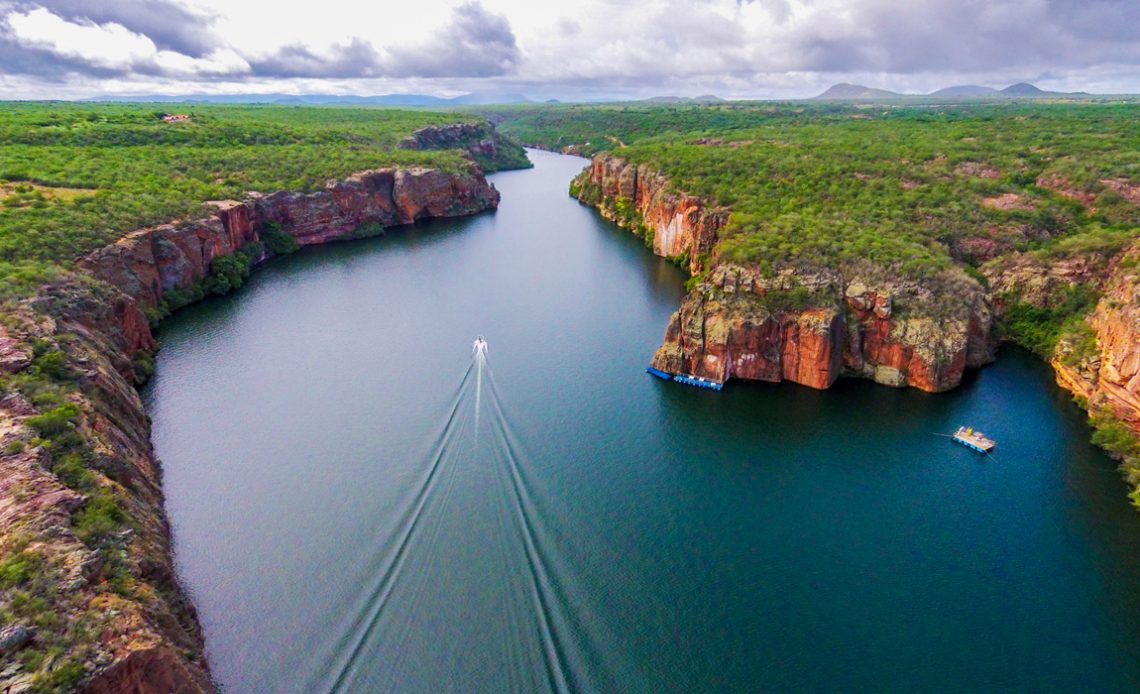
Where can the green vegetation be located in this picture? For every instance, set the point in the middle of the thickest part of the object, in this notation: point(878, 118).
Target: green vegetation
point(101, 169)
point(925, 192)
point(75, 177)
point(30, 581)
point(1123, 443)
point(912, 188)
point(1041, 328)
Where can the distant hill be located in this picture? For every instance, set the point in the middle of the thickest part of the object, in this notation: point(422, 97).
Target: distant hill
point(479, 98)
point(1026, 89)
point(843, 90)
point(1019, 90)
point(703, 99)
point(965, 90)
point(1023, 89)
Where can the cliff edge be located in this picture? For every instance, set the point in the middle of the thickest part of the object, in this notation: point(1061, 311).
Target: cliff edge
point(809, 325)
point(90, 597)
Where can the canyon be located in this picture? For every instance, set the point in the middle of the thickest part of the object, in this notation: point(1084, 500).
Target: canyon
point(139, 631)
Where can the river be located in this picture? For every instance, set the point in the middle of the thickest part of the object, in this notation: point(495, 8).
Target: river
point(358, 504)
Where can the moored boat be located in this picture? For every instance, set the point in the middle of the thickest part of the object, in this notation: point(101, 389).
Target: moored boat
point(974, 440)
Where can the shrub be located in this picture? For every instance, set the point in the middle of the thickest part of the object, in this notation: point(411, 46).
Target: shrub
point(20, 568)
point(99, 517)
point(277, 241)
point(55, 421)
point(229, 272)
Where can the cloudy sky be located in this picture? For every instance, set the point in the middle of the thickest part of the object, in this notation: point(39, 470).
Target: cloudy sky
point(573, 50)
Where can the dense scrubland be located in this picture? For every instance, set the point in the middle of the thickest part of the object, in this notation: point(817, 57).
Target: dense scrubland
point(918, 188)
point(915, 189)
point(74, 177)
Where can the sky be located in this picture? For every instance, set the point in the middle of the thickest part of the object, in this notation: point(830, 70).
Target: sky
point(579, 50)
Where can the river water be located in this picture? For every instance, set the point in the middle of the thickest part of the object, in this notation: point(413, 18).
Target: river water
point(359, 504)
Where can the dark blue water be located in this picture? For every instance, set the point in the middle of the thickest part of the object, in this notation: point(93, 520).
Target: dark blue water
point(359, 505)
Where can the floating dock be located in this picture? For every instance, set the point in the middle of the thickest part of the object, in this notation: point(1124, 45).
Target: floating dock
point(974, 440)
point(698, 381)
point(686, 379)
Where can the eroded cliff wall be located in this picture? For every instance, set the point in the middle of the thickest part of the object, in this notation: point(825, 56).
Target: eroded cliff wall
point(1109, 377)
point(804, 325)
point(81, 514)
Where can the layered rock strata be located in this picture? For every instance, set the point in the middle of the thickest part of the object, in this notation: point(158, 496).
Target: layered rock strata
point(738, 324)
point(146, 265)
point(1110, 377)
point(145, 637)
point(800, 325)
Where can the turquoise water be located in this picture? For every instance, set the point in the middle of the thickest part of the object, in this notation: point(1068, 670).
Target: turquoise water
point(358, 504)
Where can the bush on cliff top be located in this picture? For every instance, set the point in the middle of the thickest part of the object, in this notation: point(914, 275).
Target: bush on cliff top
point(904, 186)
point(123, 168)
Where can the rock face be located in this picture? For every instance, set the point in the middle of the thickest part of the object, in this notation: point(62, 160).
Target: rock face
point(738, 325)
point(1111, 378)
point(808, 327)
point(490, 150)
point(682, 225)
point(146, 639)
point(149, 627)
point(147, 264)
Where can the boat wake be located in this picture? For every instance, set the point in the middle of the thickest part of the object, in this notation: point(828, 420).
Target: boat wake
point(507, 605)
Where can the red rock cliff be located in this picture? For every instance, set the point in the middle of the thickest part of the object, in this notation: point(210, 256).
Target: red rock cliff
point(145, 638)
point(147, 264)
point(739, 323)
point(1111, 376)
point(682, 225)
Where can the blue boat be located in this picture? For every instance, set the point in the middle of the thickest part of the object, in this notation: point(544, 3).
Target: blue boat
point(659, 373)
point(698, 381)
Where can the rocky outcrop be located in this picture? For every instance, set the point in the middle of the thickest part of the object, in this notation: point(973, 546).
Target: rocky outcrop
point(481, 141)
point(808, 326)
point(1110, 376)
point(681, 225)
point(740, 324)
point(111, 575)
point(119, 621)
point(148, 264)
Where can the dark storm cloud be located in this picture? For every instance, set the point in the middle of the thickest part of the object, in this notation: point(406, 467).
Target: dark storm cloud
point(672, 44)
point(475, 43)
point(19, 59)
point(171, 26)
point(357, 58)
point(970, 35)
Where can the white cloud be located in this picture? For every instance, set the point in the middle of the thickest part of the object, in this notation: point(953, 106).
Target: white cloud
point(112, 46)
point(108, 45)
point(587, 48)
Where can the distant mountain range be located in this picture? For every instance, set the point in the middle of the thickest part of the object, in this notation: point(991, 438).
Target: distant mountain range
point(844, 90)
point(475, 98)
point(703, 99)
